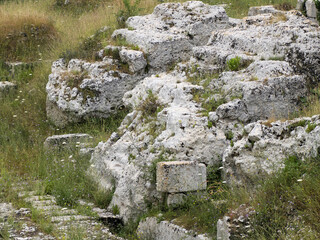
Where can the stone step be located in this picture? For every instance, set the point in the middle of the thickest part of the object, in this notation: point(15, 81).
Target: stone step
point(36, 204)
point(67, 218)
point(33, 198)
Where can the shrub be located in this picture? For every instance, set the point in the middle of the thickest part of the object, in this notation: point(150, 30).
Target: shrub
point(234, 64)
point(24, 37)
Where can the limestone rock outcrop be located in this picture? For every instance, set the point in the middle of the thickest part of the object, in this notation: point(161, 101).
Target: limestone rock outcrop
point(169, 33)
point(202, 111)
point(176, 131)
point(265, 146)
point(81, 89)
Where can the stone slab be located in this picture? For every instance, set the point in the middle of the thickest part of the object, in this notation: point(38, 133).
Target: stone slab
point(59, 142)
point(181, 176)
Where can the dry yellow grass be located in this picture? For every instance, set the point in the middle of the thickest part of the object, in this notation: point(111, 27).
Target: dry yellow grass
point(24, 32)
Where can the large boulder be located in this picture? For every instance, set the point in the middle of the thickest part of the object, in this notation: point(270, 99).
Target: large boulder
point(169, 33)
point(80, 89)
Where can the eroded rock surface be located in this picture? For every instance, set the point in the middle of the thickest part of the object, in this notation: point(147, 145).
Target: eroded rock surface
point(263, 150)
point(81, 89)
point(176, 131)
point(169, 33)
point(264, 89)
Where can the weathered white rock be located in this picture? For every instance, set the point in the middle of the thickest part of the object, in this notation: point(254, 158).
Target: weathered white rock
point(265, 89)
point(175, 199)
point(6, 210)
point(223, 231)
point(281, 34)
point(135, 59)
point(253, 11)
point(245, 162)
point(235, 224)
point(213, 117)
point(168, 34)
point(177, 132)
point(151, 229)
point(300, 4)
point(311, 8)
point(256, 133)
point(181, 176)
point(81, 89)
point(6, 87)
point(67, 141)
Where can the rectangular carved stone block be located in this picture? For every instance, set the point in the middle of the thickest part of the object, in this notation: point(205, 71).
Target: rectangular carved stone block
point(181, 176)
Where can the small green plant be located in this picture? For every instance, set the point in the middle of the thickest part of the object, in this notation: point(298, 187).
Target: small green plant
point(311, 127)
point(234, 64)
point(300, 123)
point(277, 58)
point(229, 135)
point(115, 210)
point(102, 198)
point(131, 157)
point(210, 124)
point(43, 222)
point(150, 106)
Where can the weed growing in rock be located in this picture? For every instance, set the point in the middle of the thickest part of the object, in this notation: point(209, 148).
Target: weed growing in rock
point(301, 123)
point(310, 127)
point(43, 222)
point(150, 106)
point(234, 64)
point(277, 58)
